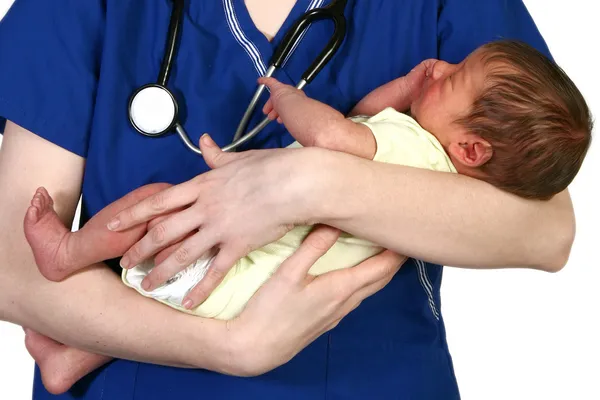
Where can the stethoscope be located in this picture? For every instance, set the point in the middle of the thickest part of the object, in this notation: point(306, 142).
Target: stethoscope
point(153, 109)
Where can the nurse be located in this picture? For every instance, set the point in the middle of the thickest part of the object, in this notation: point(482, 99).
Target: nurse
point(66, 73)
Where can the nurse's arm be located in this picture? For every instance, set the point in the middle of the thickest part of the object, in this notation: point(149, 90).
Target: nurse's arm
point(91, 310)
point(445, 218)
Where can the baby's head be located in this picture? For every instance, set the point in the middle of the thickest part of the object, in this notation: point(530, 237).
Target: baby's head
point(509, 116)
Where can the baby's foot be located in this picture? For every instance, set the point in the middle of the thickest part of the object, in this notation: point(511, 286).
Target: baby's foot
point(45, 232)
point(61, 366)
point(47, 354)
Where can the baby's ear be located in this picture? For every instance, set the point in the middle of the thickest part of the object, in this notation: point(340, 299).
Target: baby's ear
point(472, 151)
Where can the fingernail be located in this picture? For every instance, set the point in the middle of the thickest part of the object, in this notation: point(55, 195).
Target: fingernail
point(145, 285)
point(113, 224)
point(124, 262)
point(187, 304)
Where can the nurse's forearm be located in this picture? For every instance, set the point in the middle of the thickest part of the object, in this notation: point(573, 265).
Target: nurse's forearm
point(441, 217)
point(94, 311)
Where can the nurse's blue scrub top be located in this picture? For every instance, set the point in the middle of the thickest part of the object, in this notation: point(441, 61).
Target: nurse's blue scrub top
point(67, 69)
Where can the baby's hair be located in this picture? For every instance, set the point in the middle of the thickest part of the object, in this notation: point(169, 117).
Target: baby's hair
point(534, 117)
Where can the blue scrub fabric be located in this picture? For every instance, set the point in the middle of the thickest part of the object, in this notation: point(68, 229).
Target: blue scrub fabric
point(68, 68)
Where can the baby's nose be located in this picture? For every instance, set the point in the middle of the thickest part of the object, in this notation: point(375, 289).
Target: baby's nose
point(438, 69)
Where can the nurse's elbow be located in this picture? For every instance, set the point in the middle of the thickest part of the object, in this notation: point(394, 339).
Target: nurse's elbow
point(562, 254)
point(558, 245)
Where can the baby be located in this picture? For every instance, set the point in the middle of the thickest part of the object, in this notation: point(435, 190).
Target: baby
point(506, 115)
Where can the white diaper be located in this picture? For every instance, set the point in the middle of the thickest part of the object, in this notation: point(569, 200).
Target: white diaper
point(175, 289)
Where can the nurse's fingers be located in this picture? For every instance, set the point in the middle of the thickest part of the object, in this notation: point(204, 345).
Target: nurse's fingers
point(315, 245)
point(347, 308)
point(294, 269)
point(158, 204)
point(186, 254)
point(160, 236)
point(166, 252)
point(357, 297)
point(157, 220)
point(373, 274)
point(217, 271)
point(349, 287)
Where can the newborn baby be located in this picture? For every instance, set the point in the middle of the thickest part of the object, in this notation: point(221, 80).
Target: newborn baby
point(506, 115)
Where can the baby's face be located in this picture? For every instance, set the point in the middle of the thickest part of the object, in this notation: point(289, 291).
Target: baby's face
point(448, 93)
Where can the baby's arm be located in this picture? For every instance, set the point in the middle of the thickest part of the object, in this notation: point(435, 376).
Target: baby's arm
point(315, 124)
point(398, 94)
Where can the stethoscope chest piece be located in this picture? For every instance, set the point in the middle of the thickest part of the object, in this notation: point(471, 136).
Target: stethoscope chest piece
point(153, 110)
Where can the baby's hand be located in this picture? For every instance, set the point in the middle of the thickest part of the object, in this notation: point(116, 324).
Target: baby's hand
point(270, 112)
point(416, 78)
point(425, 67)
point(280, 95)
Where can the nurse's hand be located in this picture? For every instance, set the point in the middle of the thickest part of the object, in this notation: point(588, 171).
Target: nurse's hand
point(292, 308)
point(245, 203)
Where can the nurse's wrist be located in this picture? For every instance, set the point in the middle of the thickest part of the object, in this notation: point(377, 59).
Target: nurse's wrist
point(313, 185)
point(332, 186)
point(226, 348)
point(209, 346)
point(236, 354)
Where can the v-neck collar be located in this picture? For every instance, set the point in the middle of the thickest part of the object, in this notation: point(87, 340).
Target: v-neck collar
point(254, 42)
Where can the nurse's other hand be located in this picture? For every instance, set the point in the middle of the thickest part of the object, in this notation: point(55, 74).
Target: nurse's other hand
point(292, 308)
point(249, 200)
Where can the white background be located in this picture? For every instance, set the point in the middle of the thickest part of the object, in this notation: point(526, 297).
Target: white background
point(513, 334)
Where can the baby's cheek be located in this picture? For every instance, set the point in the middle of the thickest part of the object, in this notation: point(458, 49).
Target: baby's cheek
point(428, 112)
point(427, 101)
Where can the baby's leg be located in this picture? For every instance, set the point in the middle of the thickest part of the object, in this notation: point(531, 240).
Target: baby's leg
point(61, 366)
point(59, 252)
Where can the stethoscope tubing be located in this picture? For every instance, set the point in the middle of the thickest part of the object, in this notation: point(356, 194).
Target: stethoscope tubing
point(334, 11)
